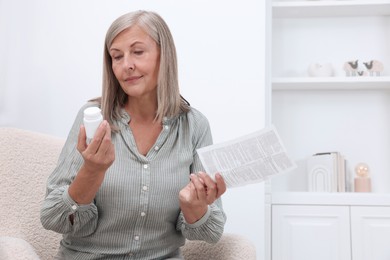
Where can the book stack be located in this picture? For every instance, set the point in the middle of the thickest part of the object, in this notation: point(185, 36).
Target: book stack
point(327, 172)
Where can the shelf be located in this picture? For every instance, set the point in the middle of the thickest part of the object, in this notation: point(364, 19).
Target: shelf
point(334, 198)
point(331, 83)
point(301, 9)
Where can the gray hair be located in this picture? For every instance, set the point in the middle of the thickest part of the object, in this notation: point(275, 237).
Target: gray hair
point(169, 101)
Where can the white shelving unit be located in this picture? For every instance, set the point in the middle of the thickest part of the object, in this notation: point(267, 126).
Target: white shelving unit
point(321, 114)
point(305, 32)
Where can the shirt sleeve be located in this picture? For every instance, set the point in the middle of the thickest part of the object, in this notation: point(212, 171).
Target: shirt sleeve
point(211, 226)
point(58, 207)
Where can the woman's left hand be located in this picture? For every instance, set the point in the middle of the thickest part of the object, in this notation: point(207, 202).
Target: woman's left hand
point(198, 194)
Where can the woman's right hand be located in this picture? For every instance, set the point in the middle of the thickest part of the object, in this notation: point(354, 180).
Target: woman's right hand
point(99, 154)
point(98, 157)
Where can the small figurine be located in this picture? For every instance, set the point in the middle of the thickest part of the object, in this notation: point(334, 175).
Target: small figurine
point(320, 70)
point(351, 68)
point(374, 67)
point(362, 178)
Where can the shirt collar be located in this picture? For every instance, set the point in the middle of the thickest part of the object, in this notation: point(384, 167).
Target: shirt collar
point(125, 118)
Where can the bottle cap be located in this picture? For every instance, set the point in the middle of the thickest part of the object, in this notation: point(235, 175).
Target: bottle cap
point(92, 113)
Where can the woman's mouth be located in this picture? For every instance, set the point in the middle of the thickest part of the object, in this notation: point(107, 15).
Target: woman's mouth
point(132, 79)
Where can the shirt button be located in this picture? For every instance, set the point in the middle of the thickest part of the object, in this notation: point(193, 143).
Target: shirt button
point(143, 214)
point(74, 207)
point(166, 127)
point(156, 148)
point(136, 238)
point(145, 187)
point(145, 166)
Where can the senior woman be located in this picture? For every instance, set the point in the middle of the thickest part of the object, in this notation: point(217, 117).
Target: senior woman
point(138, 190)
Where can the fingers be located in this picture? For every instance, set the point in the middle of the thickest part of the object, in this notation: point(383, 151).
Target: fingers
point(105, 143)
point(81, 142)
point(211, 187)
point(100, 133)
point(199, 187)
point(206, 188)
point(188, 193)
point(106, 152)
point(221, 185)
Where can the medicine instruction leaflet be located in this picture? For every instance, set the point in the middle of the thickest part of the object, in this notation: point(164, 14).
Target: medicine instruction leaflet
point(248, 159)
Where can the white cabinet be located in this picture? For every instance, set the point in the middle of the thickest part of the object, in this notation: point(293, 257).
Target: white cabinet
point(370, 232)
point(310, 232)
point(337, 227)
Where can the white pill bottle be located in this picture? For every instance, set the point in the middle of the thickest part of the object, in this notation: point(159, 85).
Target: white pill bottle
point(92, 119)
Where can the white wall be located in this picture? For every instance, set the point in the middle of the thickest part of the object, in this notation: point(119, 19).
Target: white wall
point(51, 60)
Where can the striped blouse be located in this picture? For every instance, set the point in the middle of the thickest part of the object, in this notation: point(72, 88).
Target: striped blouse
point(136, 213)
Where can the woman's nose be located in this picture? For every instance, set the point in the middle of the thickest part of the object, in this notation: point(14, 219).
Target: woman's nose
point(129, 63)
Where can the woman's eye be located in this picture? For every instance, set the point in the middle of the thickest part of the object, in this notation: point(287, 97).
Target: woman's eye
point(117, 57)
point(138, 52)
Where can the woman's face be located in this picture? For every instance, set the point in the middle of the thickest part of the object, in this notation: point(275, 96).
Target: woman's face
point(135, 62)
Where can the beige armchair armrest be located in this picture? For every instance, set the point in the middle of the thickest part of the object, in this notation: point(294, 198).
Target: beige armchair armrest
point(230, 247)
point(13, 248)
